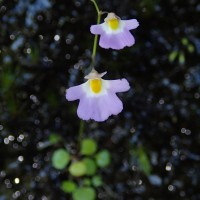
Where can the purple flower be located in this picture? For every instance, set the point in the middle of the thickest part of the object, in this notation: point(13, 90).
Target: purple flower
point(114, 32)
point(98, 99)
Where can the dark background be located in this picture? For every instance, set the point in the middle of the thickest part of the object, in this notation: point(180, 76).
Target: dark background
point(44, 47)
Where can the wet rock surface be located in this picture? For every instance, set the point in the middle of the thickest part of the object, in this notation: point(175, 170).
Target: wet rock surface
point(45, 46)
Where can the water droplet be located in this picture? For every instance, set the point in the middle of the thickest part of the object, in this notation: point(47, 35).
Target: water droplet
point(68, 41)
point(6, 141)
point(28, 50)
point(11, 137)
point(183, 130)
point(16, 194)
point(67, 56)
point(196, 95)
point(2, 174)
point(35, 165)
point(16, 180)
point(168, 167)
point(21, 158)
point(12, 37)
point(20, 138)
point(171, 188)
point(161, 101)
point(30, 197)
point(56, 37)
point(41, 37)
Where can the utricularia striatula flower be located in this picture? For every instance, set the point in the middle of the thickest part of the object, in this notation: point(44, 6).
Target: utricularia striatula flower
point(98, 99)
point(114, 32)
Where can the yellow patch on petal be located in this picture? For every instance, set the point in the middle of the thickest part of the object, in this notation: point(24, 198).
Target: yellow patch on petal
point(113, 24)
point(95, 85)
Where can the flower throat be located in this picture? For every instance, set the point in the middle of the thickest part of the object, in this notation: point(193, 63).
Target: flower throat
point(113, 24)
point(95, 85)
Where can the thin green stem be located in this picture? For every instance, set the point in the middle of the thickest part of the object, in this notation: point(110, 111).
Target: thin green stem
point(81, 130)
point(94, 51)
point(96, 6)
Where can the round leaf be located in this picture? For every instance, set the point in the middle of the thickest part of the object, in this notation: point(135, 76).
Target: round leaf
point(90, 166)
point(97, 181)
point(60, 158)
point(103, 158)
point(84, 193)
point(77, 168)
point(88, 147)
point(68, 186)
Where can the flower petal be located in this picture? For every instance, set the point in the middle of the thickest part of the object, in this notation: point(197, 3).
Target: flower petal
point(116, 41)
point(114, 104)
point(106, 106)
point(96, 29)
point(126, 38)
point(131, 24)
point(119, 85)
point(99, 108)
point(74, 93)
point(85, 108)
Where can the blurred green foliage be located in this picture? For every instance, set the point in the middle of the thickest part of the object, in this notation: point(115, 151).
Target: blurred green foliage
point(88, 147)
point(60, 158)
point(85, 166)
point(84, 193)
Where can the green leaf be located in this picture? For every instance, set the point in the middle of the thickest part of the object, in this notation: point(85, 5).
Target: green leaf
point(88, 147)
point(54, 138)
point(97, 181)
point(181, 58)
point(77, 168)
point(185, 41)
point(90, 166)
point(144, 162)
point(190, 48)
point(173, 55)
point(7, 80)
point(103, 158)
point(84, 193)
point(60, 158)
point(68, 186)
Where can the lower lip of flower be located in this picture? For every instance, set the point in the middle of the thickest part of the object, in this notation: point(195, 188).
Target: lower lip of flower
point(113, 24)
point(96, 85)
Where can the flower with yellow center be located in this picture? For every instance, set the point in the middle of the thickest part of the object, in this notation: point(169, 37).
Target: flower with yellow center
point(114, 32)
point(98, 99)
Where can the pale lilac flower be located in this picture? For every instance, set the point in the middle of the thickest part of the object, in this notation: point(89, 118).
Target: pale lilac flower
point(114, 32)
point(98, 99)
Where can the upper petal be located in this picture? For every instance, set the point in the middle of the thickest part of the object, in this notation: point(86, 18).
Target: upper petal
point(96, 29)
point(119, 85)
point(131, 24)
point(74, 93)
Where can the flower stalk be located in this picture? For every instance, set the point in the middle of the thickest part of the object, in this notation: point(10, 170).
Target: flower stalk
point(94, 51)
